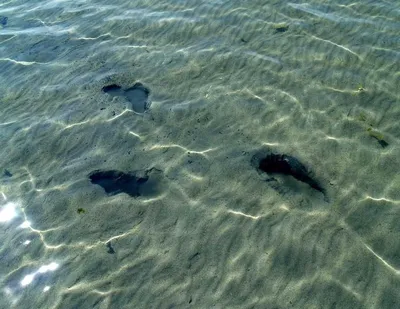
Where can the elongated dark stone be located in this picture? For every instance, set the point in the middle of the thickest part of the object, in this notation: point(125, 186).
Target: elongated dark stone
point(288, 165)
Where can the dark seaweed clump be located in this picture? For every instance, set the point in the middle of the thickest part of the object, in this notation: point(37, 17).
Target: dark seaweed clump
point(137, 95)
point(3, 20)
point(288, 165)
point(7, 173)
point(115, 182)
point(111, 88)
point(110, 248)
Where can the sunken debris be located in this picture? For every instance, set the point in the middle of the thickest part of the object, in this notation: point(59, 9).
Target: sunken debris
point(137, 95)
point(288, 165)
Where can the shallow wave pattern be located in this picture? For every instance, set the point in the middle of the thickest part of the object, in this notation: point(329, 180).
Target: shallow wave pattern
point(227, 79)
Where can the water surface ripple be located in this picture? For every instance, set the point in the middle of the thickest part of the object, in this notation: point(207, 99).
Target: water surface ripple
point(178, 216)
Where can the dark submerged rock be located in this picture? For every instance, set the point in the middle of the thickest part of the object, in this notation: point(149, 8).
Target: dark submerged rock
point(111, 88)
point(3, 20)
point(147, 183)
point(137, 95)
point(383, 143)
point(288, 165)
point(282, 27)
point(115, 182)
point(110, 249)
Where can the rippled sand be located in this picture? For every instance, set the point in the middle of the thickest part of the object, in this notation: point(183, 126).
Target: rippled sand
point(227, 79)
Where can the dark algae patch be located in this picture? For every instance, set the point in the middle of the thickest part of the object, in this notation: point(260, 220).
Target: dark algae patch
point(80, 211)
point(3, 20)
point(137, 95)
point(135, 184)
point(111, 88)
point(378, 136)
point(110, 249)
point(281, 27)
point(287, 165)
point(7, 173)
point(115, 182)
point(383, 143)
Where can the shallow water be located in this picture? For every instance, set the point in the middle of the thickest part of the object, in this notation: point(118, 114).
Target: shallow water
point(228, 81)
